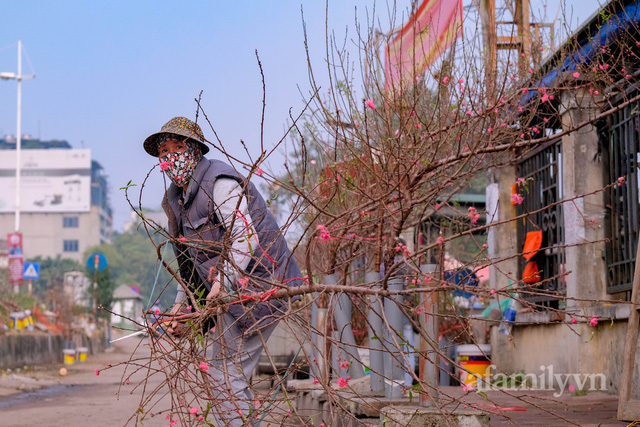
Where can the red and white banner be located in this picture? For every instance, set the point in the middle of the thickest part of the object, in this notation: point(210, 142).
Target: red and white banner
point(435, 26)
point(16, 262)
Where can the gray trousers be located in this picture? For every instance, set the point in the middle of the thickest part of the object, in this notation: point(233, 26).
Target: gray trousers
point(233, 354)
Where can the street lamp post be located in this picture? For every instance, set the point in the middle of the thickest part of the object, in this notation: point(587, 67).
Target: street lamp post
point(18, 78)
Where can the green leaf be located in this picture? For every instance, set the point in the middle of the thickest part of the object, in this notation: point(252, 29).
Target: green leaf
point(129, 184)
point(193, 328)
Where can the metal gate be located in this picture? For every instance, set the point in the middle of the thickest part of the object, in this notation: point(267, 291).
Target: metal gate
point(542, 168)
point(619, 139)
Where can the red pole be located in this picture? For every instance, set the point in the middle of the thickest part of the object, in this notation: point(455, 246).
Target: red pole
point(96, 261)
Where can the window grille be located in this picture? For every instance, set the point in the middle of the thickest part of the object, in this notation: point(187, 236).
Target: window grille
point(619, 140)
point(542, 168)
point(70, 222)
point(70, 246)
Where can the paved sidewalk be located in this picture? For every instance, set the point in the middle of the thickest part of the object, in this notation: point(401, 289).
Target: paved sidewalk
point(81, 399)
point(542, 408)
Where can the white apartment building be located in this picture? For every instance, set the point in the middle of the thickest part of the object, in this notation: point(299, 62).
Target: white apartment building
point(64, 207)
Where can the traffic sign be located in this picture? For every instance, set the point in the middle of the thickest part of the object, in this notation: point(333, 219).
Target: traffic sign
point(31, 270)
point(14, 241)
point(96, 260)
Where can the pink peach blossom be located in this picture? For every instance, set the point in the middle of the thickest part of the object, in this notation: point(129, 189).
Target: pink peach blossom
point(342, 382)
point(370, 104)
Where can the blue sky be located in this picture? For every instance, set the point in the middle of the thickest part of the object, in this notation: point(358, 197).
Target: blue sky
point(110, 73)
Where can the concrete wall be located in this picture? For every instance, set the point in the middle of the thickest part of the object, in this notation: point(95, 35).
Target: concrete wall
point(17, 351)
point(570, 349)
point(28, 349)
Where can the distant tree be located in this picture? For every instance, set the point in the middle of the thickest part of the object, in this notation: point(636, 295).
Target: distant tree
point(104, 293)
point(132, 260)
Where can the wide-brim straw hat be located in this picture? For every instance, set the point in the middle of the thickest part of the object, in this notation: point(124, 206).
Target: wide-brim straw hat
point(177, 126)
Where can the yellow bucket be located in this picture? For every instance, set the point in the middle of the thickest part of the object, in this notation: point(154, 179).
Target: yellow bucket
point(17, 320)
point(474, 362)
point(82, 354)
point(69, 356)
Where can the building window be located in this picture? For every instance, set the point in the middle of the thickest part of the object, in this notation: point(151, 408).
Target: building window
point(70, 246)
point(70, 222)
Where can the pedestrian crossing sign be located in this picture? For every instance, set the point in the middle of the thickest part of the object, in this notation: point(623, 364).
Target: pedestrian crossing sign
point(31, 270)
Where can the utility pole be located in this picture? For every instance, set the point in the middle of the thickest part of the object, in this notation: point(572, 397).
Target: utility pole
point(18, 258)
point(18, 78)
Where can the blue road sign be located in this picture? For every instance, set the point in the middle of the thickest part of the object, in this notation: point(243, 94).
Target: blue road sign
point(31, 270)
point(96, 260)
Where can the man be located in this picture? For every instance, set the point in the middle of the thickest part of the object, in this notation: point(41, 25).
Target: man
point(218, 217)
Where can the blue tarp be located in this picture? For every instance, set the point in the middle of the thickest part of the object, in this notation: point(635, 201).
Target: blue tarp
point(589, 43)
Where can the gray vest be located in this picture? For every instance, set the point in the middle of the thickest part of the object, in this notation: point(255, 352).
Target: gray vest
point(195, 218)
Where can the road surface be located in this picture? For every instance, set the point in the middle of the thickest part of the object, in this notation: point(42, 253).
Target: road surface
point(41, 397)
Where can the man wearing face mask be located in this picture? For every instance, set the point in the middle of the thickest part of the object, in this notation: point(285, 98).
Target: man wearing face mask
point(215, 216)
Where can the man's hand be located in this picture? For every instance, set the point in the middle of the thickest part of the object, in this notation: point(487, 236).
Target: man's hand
point(178, 329)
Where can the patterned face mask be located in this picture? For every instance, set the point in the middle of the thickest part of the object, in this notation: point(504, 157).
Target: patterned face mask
point(179, 167)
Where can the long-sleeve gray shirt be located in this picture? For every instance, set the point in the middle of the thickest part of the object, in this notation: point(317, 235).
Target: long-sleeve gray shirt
point(226, 192)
